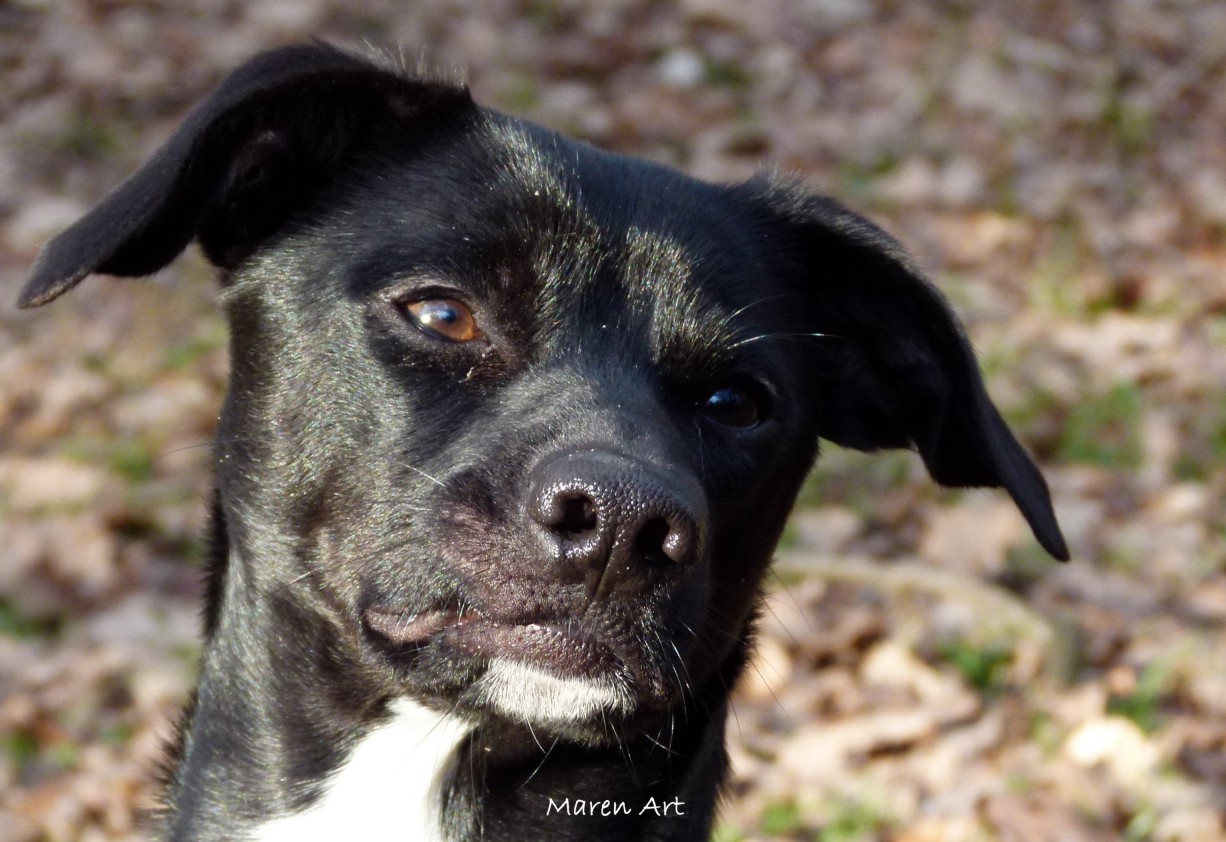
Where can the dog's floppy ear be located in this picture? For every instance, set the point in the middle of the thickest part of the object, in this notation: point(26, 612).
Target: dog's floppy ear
point(240, 163)
point(894, 367)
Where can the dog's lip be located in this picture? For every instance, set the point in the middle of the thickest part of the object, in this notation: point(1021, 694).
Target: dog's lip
point(564, 651)
point(403, 629)
point(560, 648)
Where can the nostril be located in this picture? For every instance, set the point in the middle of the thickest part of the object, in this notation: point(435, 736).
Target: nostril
point(651, 540)
point(663, 541)
point(578, 516)
point(681, 545)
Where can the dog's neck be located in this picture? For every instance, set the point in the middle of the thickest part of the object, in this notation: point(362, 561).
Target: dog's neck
point(393, 777)
point(288, 738)
point(270, 720)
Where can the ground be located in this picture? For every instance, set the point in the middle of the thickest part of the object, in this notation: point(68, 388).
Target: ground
point(924, 672)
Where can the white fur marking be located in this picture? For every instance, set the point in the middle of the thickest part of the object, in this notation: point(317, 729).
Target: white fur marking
point(528, 694)
point(388, 789)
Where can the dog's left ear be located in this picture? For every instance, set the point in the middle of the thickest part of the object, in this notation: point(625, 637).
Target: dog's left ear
point(247, 158)
point(894, 367)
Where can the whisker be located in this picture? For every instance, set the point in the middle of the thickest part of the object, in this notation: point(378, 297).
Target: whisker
point(540, 765)
point(702, 456)
point(763, 300)
point(184, 449)
point(212, 442)
point(439, 722)
point(762, 336)
point(689, 682)
point(627, 756)
point(528, 723)
point(655, 742)
point(432, 479)
point(753, 664)
point(803, 613)
point(349, 561)
point(717, 628)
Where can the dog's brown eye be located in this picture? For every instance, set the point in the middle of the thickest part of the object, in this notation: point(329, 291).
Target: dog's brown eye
point(445, 318)
point(732, 408)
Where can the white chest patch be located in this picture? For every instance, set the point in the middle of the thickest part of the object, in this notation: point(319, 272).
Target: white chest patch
point(388, 789)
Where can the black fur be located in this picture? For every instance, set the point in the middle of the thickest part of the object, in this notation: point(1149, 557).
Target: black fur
point(365, 465)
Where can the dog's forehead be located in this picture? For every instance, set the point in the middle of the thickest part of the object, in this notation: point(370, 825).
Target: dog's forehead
point(601, 249)
point(623, 239)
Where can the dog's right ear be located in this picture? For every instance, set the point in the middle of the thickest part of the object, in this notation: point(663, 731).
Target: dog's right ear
point(241, 162)
point(894, 367)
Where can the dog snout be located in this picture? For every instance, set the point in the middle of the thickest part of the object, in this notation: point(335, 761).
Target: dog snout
point(603, 510)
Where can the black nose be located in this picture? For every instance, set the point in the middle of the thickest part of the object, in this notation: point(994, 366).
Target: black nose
point(603, 510)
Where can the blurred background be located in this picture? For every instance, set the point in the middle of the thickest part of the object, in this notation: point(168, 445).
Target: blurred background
point(925, 673)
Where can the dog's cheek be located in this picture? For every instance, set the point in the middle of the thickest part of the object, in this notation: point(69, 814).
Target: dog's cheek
point(680, 637)
point(743, 548)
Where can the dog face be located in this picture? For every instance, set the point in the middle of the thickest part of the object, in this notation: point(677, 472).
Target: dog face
point(566, 417)
point(514, 424)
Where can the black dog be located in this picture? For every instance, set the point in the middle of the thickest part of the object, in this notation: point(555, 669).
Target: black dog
point(512, 429)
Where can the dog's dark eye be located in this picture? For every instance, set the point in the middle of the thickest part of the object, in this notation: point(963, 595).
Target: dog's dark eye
point(733, 408)
point(445, 318)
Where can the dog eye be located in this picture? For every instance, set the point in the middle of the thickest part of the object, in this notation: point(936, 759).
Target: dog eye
point(445, 318)
point(732, 408)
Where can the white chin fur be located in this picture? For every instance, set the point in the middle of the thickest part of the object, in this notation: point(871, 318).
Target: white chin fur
point(528, 694)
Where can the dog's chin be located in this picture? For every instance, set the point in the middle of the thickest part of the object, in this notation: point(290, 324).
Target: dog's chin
point(528, 693)
point(550, 676)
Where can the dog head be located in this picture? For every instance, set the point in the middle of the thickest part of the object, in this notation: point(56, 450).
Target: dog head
point(522, 420)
